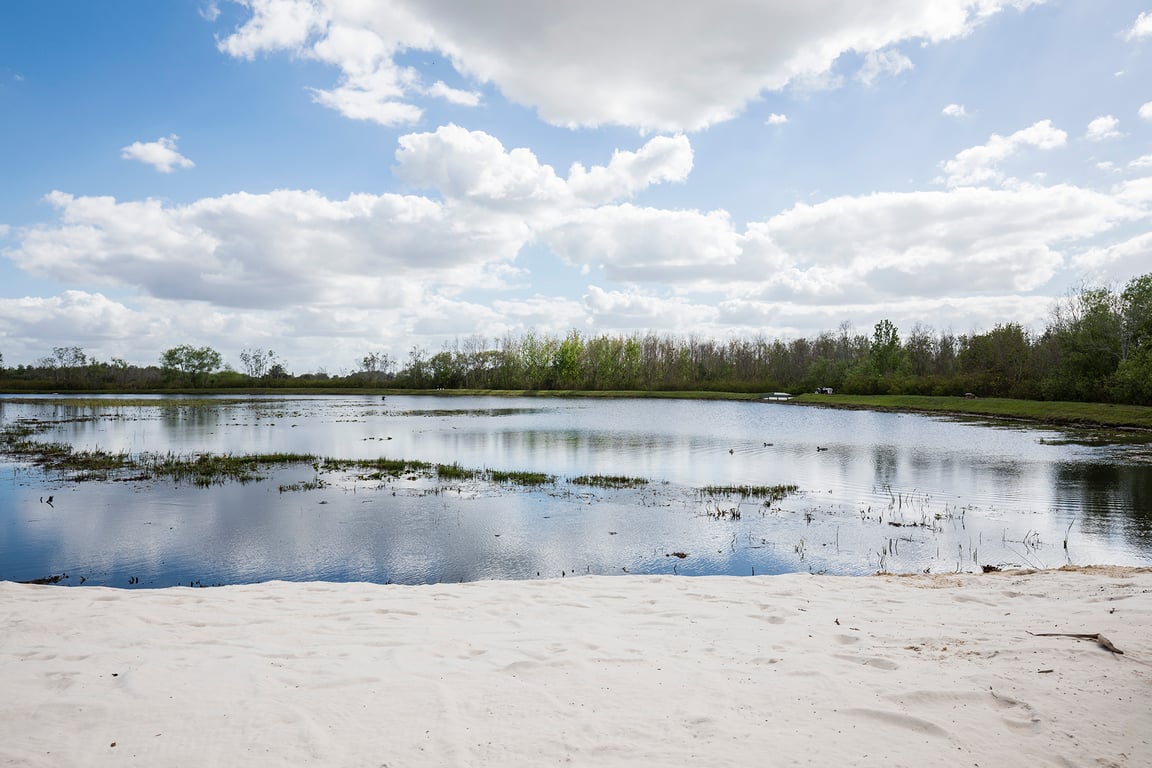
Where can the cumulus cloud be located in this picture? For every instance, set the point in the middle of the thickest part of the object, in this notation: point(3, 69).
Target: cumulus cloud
point(687, 67)
point(980, 164)
point(295, 263)
point(475, 166)
point(1103, 128)
point(633, 244)
point(877, 63)
point(776, 119)
point(76, 316)
point(633, 309)
point(261, 251)
point(1141, 28)
point(454, 95)
point(293, 247)
point(1119, 260)
point(928, 243)
point(160, 154)
point(664, 158)
point(1146, 110)
point(955, 110)
point(1144, 161)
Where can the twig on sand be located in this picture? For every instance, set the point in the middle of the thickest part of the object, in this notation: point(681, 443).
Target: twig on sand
point(1098, 638)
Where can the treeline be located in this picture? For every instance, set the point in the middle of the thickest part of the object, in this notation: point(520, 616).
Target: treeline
point(1097, 346)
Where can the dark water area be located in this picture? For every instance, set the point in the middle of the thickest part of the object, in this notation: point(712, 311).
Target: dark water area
point(897, 492)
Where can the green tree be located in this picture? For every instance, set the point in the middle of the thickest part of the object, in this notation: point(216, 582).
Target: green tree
point(998, 362)
point(1085, 343)
point(191, 364)
point(886, 356)
point(566, 361)
point(1134, 373)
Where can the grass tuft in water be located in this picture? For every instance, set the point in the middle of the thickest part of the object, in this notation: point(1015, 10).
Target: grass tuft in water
point(521, 478)
point(610, 481)
point(769, 493)
point(205, 469)
point(456, 472)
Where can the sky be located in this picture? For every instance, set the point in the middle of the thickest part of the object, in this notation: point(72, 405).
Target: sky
point(332, 178)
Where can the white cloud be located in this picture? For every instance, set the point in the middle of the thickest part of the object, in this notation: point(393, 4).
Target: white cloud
point(160, 154)
point(776, 119)
point(877, 63)
point(475, 166)
point(1141, 28)
point(1102, 129)
point(1146, 110)
point(955, 110)
point(299, 266)
point(261, 251)
point(1144, 161)
point(633, 244)
point(664, 158)
point(963, 241)
point(274, 25)
point(632, 309)
point(210, 10)
point(454, 95)
point(980, 164)
point(686, 67)
point(1119, 260)
point(73, 317)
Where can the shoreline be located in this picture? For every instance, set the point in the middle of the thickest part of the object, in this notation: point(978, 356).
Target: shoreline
point(1001, 409)
point(911, 670)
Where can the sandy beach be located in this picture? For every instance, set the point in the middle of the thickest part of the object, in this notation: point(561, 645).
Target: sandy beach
point(597, 671)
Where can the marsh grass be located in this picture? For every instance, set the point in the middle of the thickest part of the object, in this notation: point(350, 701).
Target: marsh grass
point(610, 481)
point(770, 494)
point(521, 478)
point(456, 472)
point(205, 469)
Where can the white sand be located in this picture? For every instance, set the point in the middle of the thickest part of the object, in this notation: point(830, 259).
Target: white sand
point(594, 671)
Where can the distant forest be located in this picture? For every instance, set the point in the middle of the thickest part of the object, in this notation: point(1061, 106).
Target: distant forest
point(1096, 347)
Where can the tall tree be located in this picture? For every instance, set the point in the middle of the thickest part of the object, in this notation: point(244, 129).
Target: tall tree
point(192, 364)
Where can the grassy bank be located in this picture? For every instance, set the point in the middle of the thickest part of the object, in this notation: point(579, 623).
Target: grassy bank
point(1058, 413)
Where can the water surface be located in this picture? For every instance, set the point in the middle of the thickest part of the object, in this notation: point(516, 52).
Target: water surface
point(899, 492)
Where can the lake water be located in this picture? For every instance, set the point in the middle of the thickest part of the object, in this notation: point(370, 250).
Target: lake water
point(899, 492)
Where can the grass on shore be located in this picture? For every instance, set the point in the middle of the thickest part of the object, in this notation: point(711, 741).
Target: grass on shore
point(1045, 412)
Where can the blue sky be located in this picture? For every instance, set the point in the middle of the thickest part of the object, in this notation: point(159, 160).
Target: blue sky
point(329, 178)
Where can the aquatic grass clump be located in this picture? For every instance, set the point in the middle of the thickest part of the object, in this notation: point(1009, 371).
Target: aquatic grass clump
point(521, 478)
point(93, 464)
point(391, 466)
point(205, 469)
point(610, 481)
point(769, 493)
point(454, 471)
point(304, 485)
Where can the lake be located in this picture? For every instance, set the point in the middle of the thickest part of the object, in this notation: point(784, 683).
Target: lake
point(876, 491)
